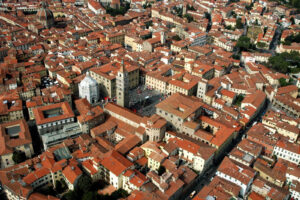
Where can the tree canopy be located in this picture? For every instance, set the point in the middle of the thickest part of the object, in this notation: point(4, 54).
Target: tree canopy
point(190, 7)
point(60, 186)
point(244, 43)
point(238, 100)
point(283, 82)
point(261, 45)
point(19, 156)
point(285, 62)
point(118, 11)
point(90, 196)
point(84, 184)
point(176, 37)
point(239, 24)
point(189, 17)
point(292, 38)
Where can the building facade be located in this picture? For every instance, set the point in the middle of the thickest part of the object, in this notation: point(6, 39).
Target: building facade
point(88, 88)
point(122, 87)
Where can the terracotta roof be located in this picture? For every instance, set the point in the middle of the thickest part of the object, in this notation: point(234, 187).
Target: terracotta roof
point(72, 172)
point(180, 105)
point(116, 163)
point(35, 175)
point(110, 107)
point(7, 143)
point(292, 147)
point(127, 144)
point(39, 196)
point(241, 173)
point(88, 165)
point(64, 106)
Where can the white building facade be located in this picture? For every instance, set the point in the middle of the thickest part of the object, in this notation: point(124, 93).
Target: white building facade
point(89, 89)
point(286, 154)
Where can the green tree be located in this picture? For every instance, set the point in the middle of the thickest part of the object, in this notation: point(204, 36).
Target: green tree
point(282, 82)
point(233, 14)
point(229, 27)
point(261, 45)
point(118, 11)
point(236, 56)
point(90, 196)
point(178, 11)
point(19, 156)
point(279, 64)
point(84, 184)
point(285, 62)
point(189, 17)
point(60, 186)
point(176, 37)
point(120, 193)
point(71, 195)
point(190, 7)
point(249, 7)
point(295, 4)
point(243, 43)
point(239, 24)
point(238, 100)
point(265, 30)
point(292, 38)
point(147, 5)
point(149, 23)
point(206, 15)
point(292, 20)
point(161, 170)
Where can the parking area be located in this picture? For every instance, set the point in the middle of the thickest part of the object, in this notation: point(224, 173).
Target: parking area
point(48, 82)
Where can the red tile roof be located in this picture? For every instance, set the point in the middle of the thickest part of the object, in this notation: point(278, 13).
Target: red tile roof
point(116, 163)
point(8, 144)
point(66, 113)
point(72, 172)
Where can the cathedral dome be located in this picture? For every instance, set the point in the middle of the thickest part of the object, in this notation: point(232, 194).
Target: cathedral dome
point(45, 15)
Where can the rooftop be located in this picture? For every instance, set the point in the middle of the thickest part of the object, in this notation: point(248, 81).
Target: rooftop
point(52, 113)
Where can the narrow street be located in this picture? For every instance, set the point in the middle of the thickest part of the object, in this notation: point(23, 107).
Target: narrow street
point(210, 173)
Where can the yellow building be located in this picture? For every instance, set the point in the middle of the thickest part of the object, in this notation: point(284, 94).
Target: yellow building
point(11, 110)
point(133, 43)
point(116, 38)
point(106, 77)
point(269, 174)
point(155, 160)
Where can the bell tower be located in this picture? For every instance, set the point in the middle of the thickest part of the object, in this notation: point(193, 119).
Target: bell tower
point(122, 86)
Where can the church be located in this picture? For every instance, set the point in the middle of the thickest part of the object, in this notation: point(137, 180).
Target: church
point(88, 88)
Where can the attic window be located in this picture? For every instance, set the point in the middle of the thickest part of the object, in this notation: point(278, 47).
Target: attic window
point(181, 109)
